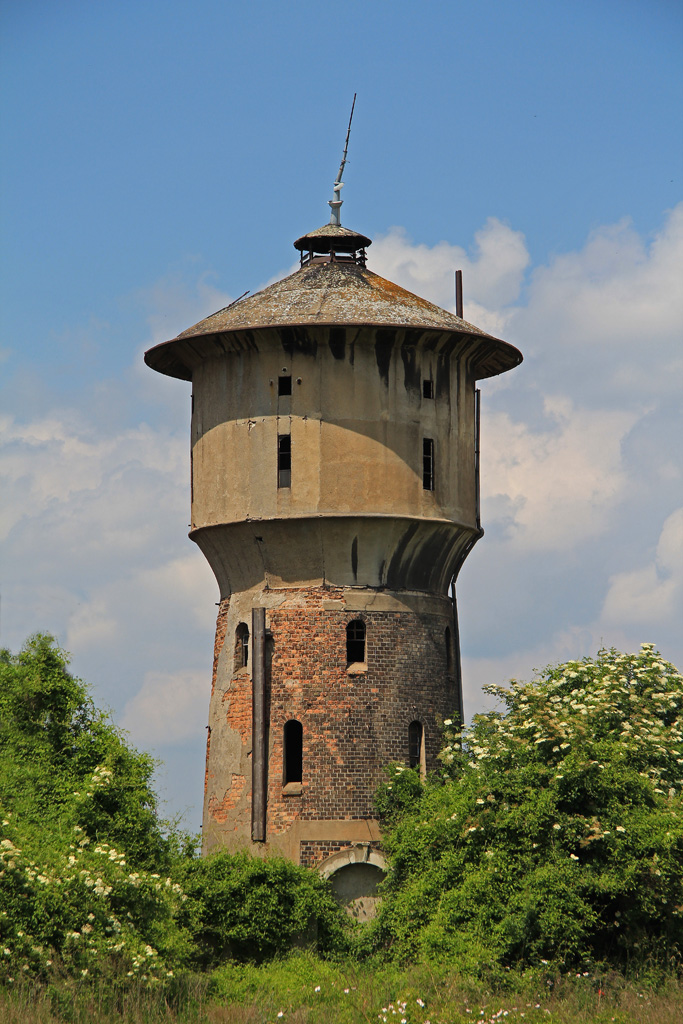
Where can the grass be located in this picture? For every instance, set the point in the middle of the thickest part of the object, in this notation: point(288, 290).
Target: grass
point(305, 990)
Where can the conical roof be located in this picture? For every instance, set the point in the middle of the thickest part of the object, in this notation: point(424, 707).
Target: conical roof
point(319, 295)
point(332, 238)
point(331, 293)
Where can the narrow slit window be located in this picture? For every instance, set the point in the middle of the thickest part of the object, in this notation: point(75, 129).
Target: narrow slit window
point(428, 464)
point(284, 385)
point(416, 745)
point(427, 388)
point(284, 460)
point(241, 646)
point(293, 752)
point(449, 650)
point(355, 641)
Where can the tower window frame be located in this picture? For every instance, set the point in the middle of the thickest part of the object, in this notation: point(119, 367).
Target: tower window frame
point(416, 747)
point(292, 756)
point(241, 646)
point(428, 463)
point(448, 641)
point(356, 644)
point(284, 385)
point(284, 460)
point(428, 388)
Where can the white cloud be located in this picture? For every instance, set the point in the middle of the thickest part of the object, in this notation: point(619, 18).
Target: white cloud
point(96, 549)
point(492, 277)
point(169, 708)
point(608, 320)
point(146, 603)
point(652, 594)
point(556, 486)
point(616, 290)
point(62, 464)
point(188, 580)
point(91, 625)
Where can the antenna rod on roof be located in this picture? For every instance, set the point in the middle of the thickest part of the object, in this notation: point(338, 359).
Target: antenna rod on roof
point(346, 144)
point(335, 203)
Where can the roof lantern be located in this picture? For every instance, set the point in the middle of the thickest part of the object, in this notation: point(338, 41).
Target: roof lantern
point(333, 244)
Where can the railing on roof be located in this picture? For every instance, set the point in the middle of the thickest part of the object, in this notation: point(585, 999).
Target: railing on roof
point(358, 257)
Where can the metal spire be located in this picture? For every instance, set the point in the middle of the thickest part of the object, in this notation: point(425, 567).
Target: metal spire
point(335, 203)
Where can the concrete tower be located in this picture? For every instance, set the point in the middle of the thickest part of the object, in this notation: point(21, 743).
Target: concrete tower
point(335, 496)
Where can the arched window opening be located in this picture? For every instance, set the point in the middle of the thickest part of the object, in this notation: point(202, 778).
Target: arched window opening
point(449, 651)
point(355, 641)
point(293, 751)
point(241, 646)
point(416, 752)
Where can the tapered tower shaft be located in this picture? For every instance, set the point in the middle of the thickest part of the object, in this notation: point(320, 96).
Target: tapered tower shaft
point(334, 494)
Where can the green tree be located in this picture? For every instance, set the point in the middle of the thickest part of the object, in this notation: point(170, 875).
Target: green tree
point(64, 763)
point(553, 832)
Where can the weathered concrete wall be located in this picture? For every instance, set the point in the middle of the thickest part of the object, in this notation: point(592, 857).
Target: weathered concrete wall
point(353, 551)
point(356, 420)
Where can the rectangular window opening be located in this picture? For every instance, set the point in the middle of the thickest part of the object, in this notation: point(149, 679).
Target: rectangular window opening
point(427, 388)
point(284, 460)
point(284, 385)
point(428, 464)
point(293, 752)
point(355, 642)
point(416, 747)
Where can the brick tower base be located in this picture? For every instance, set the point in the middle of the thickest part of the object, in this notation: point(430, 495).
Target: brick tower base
point(355, 716)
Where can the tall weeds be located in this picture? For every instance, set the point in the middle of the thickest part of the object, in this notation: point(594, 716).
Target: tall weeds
point(306, 990)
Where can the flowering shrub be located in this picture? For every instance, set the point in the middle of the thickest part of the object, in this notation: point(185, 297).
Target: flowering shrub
point(79, 835)
point(90, 883)
point(81, 910)
point(553, 832)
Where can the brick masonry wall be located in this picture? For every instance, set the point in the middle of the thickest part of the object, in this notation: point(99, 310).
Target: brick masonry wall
point(314, 851)
point(353, 723)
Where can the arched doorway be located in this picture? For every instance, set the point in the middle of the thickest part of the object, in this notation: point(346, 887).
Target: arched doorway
point(355, 875)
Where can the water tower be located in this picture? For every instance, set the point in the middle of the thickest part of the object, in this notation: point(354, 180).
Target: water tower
point(335, 496)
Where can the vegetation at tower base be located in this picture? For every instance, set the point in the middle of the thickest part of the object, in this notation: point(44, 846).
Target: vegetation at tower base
point(247, 909)
point(92, 882)
point(553, 833)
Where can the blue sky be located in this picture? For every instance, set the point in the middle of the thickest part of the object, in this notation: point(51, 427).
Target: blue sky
point(159, 160)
